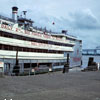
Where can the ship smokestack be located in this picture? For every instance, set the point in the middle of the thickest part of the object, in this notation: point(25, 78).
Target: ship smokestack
point(14, 13)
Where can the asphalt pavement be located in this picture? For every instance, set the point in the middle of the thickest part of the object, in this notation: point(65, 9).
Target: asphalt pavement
point(75, 85)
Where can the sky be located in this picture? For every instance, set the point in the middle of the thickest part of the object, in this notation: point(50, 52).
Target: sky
point(80, 17)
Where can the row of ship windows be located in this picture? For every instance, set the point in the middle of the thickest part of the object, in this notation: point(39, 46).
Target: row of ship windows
point(14, 48)
point(14, 36)
point(27, 65)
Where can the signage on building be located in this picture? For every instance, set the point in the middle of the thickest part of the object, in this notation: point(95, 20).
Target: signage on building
point(30, 33)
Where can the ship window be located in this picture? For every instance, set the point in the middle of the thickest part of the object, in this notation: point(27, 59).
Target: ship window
point(5, 23)
point(27, 65)
point(0, 46)
point(0, 33)
point(6, 47)
point(19, 49)
point(5, 35)
point(10, 47)
point(14, 48)
point(10, 36)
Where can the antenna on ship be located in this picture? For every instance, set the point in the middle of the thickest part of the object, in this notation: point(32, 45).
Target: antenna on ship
point(24, 12)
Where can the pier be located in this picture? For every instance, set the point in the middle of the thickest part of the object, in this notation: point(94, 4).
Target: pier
point(52, 86)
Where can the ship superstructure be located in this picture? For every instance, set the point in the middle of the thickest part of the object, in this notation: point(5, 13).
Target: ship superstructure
point(36, 47)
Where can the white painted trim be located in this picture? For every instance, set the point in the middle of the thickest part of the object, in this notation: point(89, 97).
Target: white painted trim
point(22, 43)
point(30, 55)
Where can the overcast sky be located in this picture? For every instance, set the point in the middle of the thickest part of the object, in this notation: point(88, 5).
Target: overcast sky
point(80, 17)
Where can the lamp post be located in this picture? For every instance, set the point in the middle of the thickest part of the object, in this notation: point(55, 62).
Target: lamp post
point(66, 65)
point(16, 67)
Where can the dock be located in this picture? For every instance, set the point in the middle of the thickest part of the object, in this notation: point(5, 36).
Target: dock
point(52, 86)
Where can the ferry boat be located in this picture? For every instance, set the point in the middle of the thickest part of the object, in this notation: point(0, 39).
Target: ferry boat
point(37, 49)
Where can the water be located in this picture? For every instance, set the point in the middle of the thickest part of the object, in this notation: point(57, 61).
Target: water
point(85, 59)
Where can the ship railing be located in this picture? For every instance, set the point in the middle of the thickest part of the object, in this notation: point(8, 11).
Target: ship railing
point(34, 27)
point(28, 71)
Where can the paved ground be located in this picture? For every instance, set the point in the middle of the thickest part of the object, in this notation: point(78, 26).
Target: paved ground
point(53, 86)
